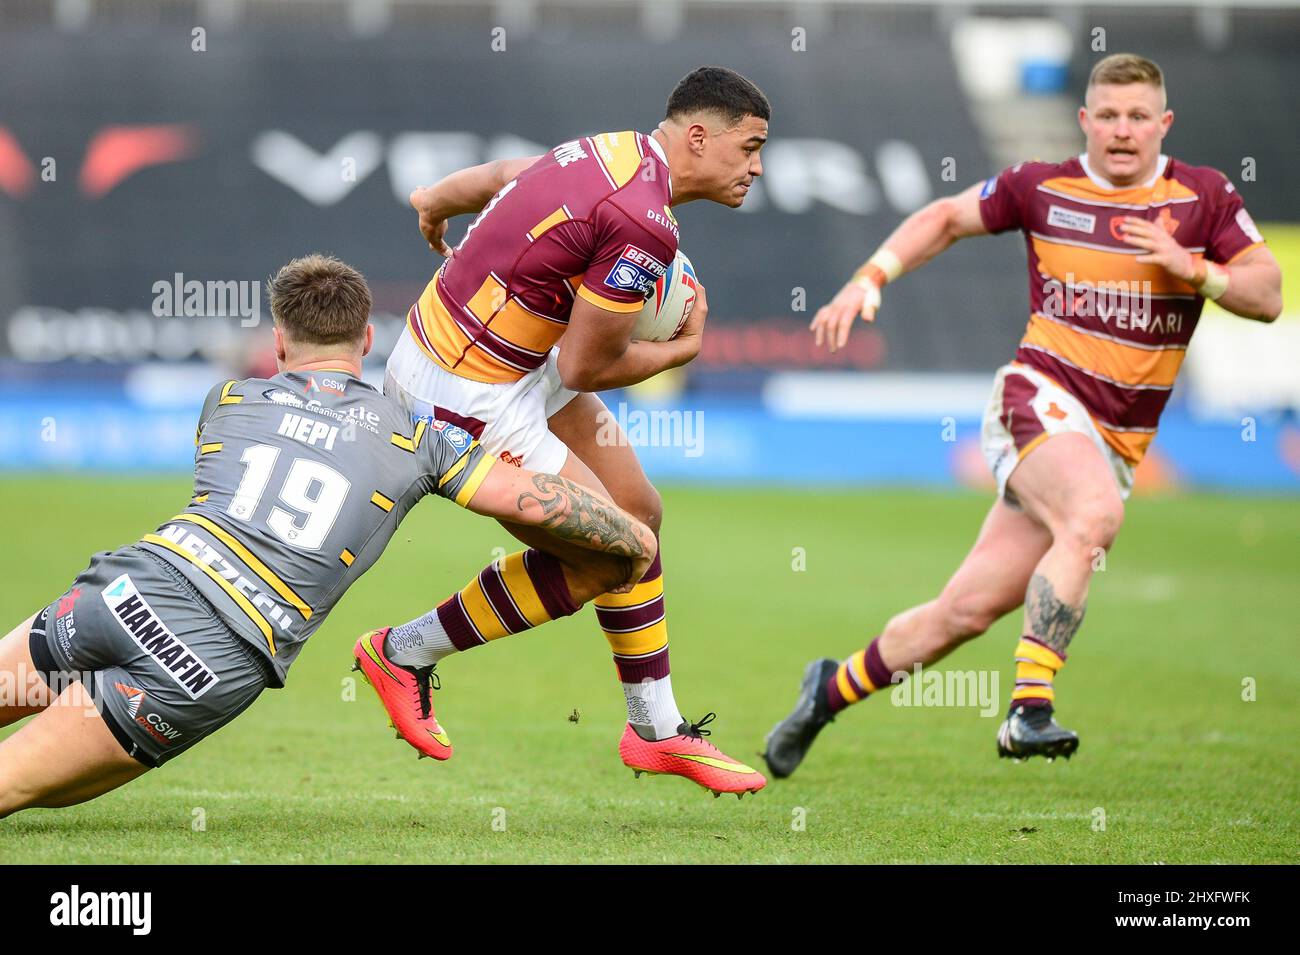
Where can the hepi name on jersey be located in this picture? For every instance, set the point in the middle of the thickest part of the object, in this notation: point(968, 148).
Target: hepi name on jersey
point(304, 429)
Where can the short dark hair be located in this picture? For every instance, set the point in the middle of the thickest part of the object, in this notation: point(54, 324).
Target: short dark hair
point(719, 90)
point(319, 300)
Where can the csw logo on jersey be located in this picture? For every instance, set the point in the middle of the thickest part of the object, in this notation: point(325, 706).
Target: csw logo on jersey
point(635, 271)
point(456, 436)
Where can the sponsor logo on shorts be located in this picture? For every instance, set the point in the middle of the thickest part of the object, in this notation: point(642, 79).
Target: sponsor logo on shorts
point(134, 697)
point(158, 728)
point(1070, 219)
point(138, 619)
point(635, 271)
point(67, 602)
point(515, 460)
point(65, 620)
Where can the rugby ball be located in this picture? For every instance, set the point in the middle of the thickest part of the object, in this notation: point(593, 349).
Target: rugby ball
point(669, 304)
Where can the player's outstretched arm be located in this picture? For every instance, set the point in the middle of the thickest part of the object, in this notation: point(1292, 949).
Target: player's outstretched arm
point(597, 351)
point(920, 237)
point(466, 190)
point(569, 511)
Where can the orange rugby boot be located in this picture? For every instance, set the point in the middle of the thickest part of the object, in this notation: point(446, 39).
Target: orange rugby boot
point(689, 755)
point(405, 693)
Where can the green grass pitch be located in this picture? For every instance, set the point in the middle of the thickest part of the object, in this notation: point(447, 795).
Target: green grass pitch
point(1199, 595)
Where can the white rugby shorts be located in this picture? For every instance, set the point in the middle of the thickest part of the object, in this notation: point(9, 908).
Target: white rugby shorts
point(1025, 409)
point(509, 420)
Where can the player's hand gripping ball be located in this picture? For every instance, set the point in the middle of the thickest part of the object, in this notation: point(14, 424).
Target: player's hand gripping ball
point(669, 304)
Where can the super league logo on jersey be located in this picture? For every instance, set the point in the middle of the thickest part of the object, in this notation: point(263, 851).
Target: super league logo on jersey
point(458, 438)
point(635, 271)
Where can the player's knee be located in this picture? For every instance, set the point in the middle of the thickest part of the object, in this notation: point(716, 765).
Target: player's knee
point(611, 573)
point(968, 615)
point(597, 576)
point(1094, 524)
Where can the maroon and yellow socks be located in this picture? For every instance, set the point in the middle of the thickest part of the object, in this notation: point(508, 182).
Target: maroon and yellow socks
point(857, 678)
point(865, 672)
point(636, 627)
point(523, 590)
point(516, 593)
point(1036, 666)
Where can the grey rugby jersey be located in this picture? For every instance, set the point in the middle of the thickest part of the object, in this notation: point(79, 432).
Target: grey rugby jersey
point(299, 483)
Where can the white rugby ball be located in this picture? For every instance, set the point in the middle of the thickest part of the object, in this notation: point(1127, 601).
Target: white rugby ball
point(669, 304)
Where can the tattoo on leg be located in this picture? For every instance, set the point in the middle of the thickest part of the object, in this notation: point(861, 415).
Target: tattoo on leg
point(1050, 619)
point(575, 513)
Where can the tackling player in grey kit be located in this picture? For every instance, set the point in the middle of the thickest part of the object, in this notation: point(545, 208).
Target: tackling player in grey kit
point(300, 480)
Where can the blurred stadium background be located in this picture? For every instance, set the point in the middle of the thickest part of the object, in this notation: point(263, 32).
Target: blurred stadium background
point(152, 141)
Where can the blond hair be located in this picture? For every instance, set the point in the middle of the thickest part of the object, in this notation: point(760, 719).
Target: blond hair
point(1121, 69)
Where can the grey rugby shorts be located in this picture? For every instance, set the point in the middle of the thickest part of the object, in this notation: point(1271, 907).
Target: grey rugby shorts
point(163, 668)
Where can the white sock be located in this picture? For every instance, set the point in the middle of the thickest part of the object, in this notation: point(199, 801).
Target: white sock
point(420, 643)
point(651, 709)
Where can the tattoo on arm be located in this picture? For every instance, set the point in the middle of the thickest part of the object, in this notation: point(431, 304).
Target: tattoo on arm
point(572, 512)
point(1050, 619)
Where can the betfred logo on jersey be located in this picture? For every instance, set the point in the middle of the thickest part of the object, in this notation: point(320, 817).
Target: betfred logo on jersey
point(635, 271)
point(138, 619)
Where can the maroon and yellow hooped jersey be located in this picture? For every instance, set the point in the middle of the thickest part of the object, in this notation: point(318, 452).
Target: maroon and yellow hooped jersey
point(1112, 331)
point(589, 219)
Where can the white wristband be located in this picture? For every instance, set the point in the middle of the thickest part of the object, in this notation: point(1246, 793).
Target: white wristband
point(887, 262)
point(1216, 282)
